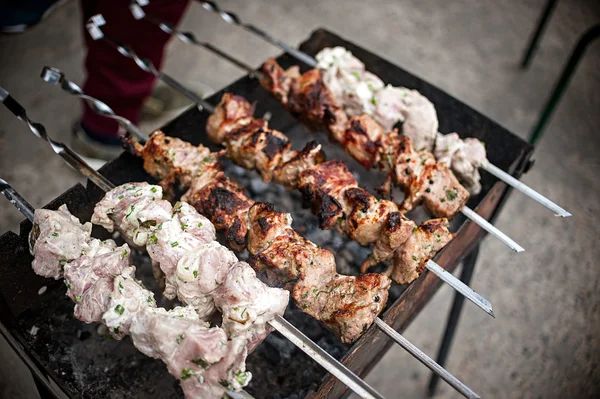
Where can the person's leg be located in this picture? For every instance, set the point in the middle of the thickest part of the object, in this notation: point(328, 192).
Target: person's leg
point(113, 78)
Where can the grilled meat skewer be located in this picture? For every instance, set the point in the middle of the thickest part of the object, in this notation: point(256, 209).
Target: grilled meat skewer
point(197, 269)
point(347, 305)
point(329, 187)
point(101, 281)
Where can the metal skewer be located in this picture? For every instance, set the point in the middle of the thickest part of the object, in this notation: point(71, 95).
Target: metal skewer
point(525, 189)
point(53, 75)
point(29, 211)
point(232, 18)
point(345, 375)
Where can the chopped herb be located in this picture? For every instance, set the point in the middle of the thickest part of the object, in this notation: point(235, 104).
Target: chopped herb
point(159, 226)
point(55, 234)
point(77, 298)
point(180, 338)
point(62, 261)
point(305, 294)
point(148, 223)
point(130, 188)
point(180, 316)
point(415, 229)
point(356, 74)
point(186, 373)
point(451, 194)
point(341, 219)
point(130, 211)
point(116, 330)
point(153, 239)
point(241, 377)
point(184, 226)
point(224, 383)
point(119, 309)
point(69, 286)
point(121, 288)
point(443, 200)
point(200, 362)
point(195, 273)
point(243, 311)
point(174, 244)
point(199, 224)
point(121, 196)
point(373, 101)
point(177, 208)
point(153, 189)
point(414, 258)
point(447, 149)
point(124, 254)
point(150, 299)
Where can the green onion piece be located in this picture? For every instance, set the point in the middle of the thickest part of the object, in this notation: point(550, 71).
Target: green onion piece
point(119, 309)
point(186, 373)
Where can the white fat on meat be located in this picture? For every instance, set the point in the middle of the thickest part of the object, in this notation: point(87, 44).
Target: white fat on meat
point(345, 76)
point(185, 231)
point(133, 209)
point(202, 358)
point(464, 157)
point(247, 304)
point(89, 279)
point(200, 272)
point(415, 111)
point(127, 299)
point(56, 239)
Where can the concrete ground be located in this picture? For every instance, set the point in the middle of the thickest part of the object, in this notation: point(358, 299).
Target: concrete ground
point(544, 341)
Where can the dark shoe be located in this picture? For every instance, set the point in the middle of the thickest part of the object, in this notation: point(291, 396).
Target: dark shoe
point(18, 16)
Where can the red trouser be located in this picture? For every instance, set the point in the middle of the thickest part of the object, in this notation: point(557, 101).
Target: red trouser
point(113, 78)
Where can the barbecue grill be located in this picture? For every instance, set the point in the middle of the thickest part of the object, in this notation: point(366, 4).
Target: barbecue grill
point(69, 358)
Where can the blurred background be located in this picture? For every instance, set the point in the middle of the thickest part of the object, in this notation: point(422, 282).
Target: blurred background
point(544, 342)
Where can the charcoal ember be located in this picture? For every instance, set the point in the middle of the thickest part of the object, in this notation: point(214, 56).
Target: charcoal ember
point(319, 236)
point(282, 348)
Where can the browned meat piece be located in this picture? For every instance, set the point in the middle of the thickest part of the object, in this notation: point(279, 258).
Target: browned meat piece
point(253, 147)
point(278, 81)
point(230, 109)
point(408, 163)
point(396, 230)
point(439, 191)
point(348, 305)
point(226, 205)
point(295, 162)
point(322, 188)
point(362, 140)
point(422, 245)
point(312, 99)
point(265, 226)
point(364, 223)
point(292, 258)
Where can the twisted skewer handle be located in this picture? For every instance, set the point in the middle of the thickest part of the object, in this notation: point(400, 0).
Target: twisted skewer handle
point(65, 152)
point(232, 18)
point(56, 77)
point(93, 27)
point(16, 199)
point(189, 37)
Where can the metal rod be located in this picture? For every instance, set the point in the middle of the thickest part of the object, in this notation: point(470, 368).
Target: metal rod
point(466, 275)
point(190, 38)
point(461, 287)
point(487, 226)
point(17, 200)
point(537, 35)
point(56, 77)
point(93, 26)
point(340, 371)
point(426, 360)
point(525, 189)
point(61, 149)
point(28, 211)
point(232, 18)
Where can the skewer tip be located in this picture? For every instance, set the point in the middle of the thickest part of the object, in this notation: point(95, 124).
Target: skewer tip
point(564, 214)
